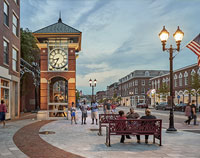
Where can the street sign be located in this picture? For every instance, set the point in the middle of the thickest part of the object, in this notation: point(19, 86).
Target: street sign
point(178, 96)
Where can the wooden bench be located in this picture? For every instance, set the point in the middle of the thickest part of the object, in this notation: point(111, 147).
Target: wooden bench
point(104, 120)
point(134, 127)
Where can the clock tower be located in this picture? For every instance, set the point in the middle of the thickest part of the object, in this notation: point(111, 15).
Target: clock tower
point(59, 45)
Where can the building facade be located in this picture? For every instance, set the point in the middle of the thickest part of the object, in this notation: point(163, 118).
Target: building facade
point(10, 56)
point(134, 87)
point(112, 90)
point(182, 79)
point(100, 95)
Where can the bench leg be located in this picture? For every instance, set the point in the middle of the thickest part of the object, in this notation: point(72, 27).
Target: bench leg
point(154, 139)
point(100, 134)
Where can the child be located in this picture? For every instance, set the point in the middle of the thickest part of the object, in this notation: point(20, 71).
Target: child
point(122, 117)
point(73, 113)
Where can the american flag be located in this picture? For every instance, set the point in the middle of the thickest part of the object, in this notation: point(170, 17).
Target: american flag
point(194, 45)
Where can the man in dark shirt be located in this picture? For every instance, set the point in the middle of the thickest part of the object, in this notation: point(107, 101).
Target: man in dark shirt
point(147, 116)
point(108, 107)
point(193, 112)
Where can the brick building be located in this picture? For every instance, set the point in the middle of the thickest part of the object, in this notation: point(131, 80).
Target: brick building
point(112, 90)
point(181, 85)
point(59, 44)
point(100, 95)
point(133, 88)
point(10, 56)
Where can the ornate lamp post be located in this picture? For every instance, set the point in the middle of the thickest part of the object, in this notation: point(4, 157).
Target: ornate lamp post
point(131, 98)
point(178, 36)
point(93, 84)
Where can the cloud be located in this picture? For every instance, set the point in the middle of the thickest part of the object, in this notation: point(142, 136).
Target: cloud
point(118, 36)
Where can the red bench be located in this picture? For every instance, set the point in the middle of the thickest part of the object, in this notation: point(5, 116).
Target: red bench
point(104, 120)
point(134, 127)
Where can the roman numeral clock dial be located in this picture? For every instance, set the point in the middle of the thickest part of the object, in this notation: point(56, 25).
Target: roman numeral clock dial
point(58, 59)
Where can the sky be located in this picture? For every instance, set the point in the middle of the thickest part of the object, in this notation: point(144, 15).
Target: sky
point(119, 36)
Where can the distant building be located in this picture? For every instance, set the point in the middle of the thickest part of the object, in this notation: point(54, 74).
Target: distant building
point(133, 88)
point(10, 56)
point(112, 90)
point(181, 85)
point(100, 95)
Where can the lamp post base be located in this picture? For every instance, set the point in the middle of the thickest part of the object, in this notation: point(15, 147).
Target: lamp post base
point(171, 130)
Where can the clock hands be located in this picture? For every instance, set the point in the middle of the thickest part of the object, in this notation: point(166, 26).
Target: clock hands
point(56, 61)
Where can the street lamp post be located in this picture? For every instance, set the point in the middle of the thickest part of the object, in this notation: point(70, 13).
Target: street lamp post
point(178, 36)
point(93, 85)
point(131, 98)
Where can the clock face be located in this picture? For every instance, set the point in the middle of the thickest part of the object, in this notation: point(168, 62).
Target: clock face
point(58, 59)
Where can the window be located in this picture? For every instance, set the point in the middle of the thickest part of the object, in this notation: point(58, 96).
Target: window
point(175, 82)
point(136, 90)
point(133, 83)
point(15, 25)
point(186, 81)
point(5, 52)
point(6, 16)
point(14, 59)
point(143, 82)
point(180, 81)
point(17, 2)
point(143, 90)
point(136, 82)
point(149, 83)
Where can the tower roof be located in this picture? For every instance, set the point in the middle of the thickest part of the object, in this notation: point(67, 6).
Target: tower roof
point(58, 27)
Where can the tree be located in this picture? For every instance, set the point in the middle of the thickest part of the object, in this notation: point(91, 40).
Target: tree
point(30, 53)
point(164, 90)
point(29, 50)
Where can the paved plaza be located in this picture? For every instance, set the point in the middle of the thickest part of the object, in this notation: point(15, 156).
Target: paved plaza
point(20, 139)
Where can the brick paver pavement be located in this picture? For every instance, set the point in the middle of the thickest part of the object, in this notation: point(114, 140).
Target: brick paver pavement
point(27, 139)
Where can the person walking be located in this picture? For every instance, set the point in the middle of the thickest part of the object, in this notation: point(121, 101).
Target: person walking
point(123, 117)
point(94, 112)
point(132, 114)
point(108, 107)
point(193, 111)
point(84, 108)
point(113, 107)
point(188, 113)
point(147, 116)
point(3, 113)
point(73, 113)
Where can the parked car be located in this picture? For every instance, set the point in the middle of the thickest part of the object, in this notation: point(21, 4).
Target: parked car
point(142, 105)
point(163, 106)
point(180, 107)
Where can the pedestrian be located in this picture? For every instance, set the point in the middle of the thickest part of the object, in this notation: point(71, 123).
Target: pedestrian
point(193, 111)
point(73, 113)
point(147, 116)
point(188, 113)
point(132, 114)
point(94, 112)
point(84, 108)
point(108, 107)
point(123, 117)
point(3, 112)
point(113, 107)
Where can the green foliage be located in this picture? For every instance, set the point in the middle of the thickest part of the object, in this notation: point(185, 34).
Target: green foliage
point(77, 95)
point(164, 89)
point(30, 53)
point(195, 84)
point(29, 49)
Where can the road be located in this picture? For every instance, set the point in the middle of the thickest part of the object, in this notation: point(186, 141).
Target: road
point(179, 117)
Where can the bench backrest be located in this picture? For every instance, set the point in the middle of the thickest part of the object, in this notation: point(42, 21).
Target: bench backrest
point(135, 126)
point(105, 118)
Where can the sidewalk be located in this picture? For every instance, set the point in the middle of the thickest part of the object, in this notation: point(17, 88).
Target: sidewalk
point(82, 141)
